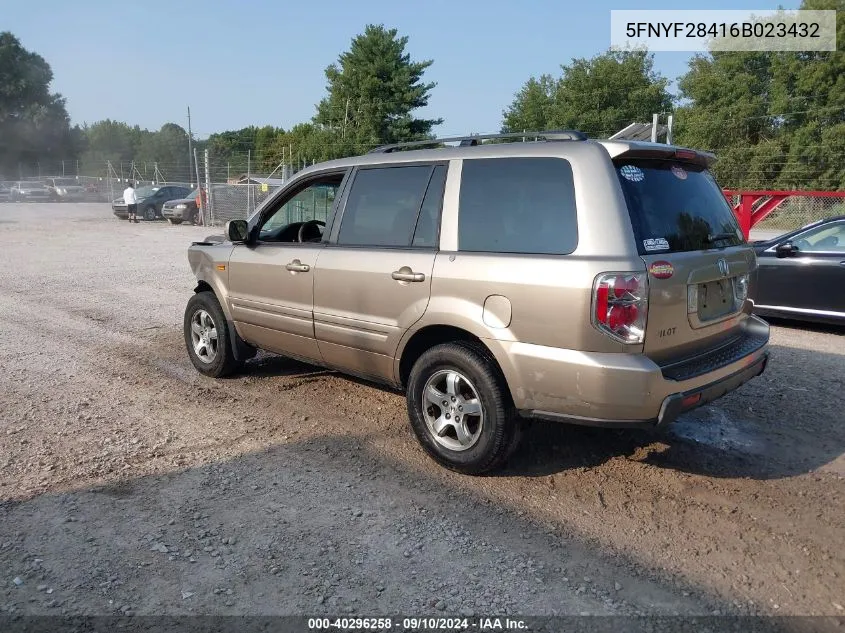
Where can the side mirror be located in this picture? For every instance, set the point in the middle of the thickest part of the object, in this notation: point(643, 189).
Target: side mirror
point(787, 249)
point(237, 230)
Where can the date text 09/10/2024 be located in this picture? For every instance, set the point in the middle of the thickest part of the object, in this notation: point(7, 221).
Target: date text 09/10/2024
point(417, 624)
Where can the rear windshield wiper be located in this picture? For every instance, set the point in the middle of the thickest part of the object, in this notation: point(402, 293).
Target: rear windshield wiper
point(717, 237)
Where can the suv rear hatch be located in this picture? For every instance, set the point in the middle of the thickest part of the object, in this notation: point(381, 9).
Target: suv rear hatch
point(697, 259)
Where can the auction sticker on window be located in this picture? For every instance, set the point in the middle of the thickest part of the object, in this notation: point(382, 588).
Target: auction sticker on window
point(679, 172)
point(662, 269)
point(656, 244)
point(632, 173)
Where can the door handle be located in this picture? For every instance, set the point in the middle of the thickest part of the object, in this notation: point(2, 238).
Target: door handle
point(406, 274)
point(297, 266)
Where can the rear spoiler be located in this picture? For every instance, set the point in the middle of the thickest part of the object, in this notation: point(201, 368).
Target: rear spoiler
point(639, 149)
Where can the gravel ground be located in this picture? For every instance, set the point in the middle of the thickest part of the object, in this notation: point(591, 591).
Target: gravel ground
point(131, 484)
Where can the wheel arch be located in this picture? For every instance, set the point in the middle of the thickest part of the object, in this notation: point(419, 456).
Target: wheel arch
point(436, 334)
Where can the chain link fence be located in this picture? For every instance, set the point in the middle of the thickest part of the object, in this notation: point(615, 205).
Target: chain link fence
point(797, 211)
point(232, 202)
point(237, 202)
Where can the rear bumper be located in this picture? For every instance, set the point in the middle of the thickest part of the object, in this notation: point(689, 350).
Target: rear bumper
point(679, 403)
point(625, 389)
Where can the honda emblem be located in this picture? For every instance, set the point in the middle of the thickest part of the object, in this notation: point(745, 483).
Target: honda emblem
point(724, 268)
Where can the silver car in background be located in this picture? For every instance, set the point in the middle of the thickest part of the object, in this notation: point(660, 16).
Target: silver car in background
point(65, 189)
point(29, 191)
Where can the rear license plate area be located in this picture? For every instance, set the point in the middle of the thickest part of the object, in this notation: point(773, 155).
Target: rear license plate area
point(716, 299)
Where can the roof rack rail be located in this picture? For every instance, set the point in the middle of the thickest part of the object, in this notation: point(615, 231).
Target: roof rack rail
point(473, 140)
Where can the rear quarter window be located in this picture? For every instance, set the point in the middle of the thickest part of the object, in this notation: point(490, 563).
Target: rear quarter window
point(517, 205)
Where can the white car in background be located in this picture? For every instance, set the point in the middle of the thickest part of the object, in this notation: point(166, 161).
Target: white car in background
point(65, 189)
point(29, 191)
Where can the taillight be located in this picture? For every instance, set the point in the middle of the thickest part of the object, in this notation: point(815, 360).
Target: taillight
point(620, 305)
point(741, 289)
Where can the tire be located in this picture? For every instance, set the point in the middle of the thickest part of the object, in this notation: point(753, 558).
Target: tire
point(150, 213)
point(174, 220)
point(487, 439)
point(204, 310)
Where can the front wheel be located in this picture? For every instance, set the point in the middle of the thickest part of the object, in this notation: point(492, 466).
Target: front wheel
point(207, 336)
point(150, 213)
point(460, 408)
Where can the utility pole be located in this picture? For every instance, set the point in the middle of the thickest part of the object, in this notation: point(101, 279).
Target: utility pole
point(669, 123)
point(63, 169)
point(655, 121)
point(191, 154)
point(345, 117)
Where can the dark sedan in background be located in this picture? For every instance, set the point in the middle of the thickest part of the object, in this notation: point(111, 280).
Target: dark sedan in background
point(801, 275)
point(181, 210)
point(150, 200)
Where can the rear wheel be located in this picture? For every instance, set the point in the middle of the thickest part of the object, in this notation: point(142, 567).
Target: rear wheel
point(207, 336)
point(460, 408)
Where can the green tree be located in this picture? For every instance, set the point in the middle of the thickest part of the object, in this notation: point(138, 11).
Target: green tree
point(775, 120)
point(727, 97)
point(109, 141)
point(598, 96)
point(169, 149)
point(34, 124)
point(532, 107)
point(373, 89)
point(808, 90)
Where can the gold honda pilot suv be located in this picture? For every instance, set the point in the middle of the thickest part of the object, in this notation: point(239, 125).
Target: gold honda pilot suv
point(586, 281)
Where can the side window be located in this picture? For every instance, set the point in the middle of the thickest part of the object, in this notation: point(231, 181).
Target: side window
point(313, 201)
point(383, 206)
point(517, 205)
point(426, 232)
point(829, 238)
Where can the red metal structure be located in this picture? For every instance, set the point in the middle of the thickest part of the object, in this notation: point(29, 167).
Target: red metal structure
point(754, 206)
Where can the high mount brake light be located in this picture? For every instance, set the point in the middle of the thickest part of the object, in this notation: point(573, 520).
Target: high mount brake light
point(620, 305)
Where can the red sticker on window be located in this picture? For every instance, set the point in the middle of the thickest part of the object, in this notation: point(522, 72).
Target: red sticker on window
point(661, 270)
point(679, 172)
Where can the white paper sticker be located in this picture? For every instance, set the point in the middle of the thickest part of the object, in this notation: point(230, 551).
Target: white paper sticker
point(656, 244)
point(680, 172)
point(632, 173)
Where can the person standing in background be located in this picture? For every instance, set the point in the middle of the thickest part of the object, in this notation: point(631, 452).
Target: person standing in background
point(131, 200)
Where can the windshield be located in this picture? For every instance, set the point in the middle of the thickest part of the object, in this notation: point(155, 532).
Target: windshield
point(676, 207)
point(32, 185)
point(193, 194)
point(64, 182)
point(145, 192)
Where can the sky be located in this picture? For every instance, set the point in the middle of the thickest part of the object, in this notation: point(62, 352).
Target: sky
point(262, 62)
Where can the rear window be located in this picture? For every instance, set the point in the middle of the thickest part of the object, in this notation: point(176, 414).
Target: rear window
point(676, 207)
point(517, 205)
